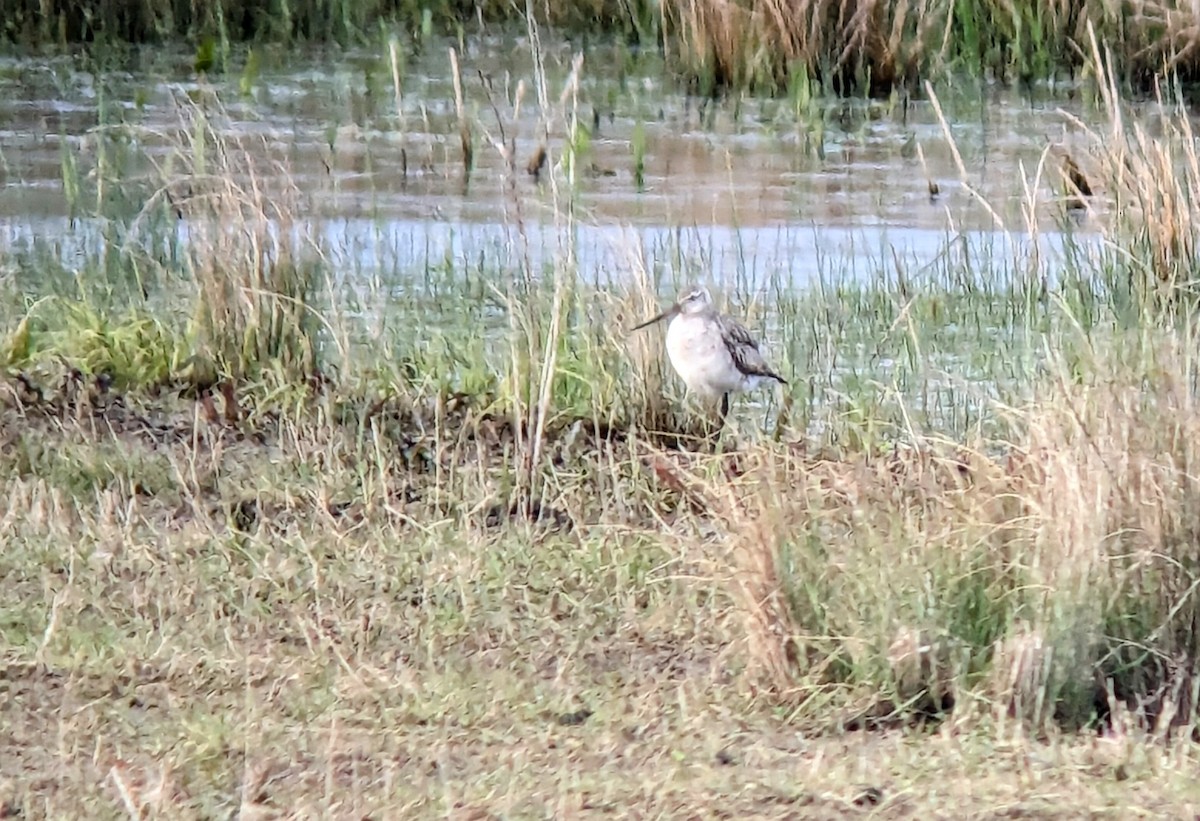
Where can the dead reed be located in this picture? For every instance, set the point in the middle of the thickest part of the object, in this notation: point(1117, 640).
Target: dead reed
point(874, 47)
point(1037, 577)
point(1151, 185)
point(255, 269)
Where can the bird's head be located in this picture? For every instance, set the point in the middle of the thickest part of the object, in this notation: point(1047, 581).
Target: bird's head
point(692, 301)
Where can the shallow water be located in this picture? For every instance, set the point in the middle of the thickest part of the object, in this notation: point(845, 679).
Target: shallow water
point(738, 184)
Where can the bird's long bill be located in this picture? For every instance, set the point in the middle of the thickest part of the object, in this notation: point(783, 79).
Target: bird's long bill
point(667, 314)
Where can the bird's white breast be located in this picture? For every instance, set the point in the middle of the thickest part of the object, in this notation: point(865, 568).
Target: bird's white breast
point(698, 354)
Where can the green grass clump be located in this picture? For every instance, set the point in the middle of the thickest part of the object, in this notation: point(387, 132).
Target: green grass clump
point(135, 351)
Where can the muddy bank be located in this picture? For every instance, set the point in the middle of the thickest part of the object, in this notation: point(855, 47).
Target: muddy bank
point(423, 444)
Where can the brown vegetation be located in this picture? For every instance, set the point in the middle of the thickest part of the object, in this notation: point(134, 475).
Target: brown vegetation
point(766, 44)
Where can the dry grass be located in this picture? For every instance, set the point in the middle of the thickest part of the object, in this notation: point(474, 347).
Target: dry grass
point(1153, 182)
point(286, 616)
point(1041, 578)
point(761, 43)
point(877, 46)
point(255, 268)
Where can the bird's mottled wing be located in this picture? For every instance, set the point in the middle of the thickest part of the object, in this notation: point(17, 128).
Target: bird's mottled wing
point(744, 350)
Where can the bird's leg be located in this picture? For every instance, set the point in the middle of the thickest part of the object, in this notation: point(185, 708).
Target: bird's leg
point(715, 430)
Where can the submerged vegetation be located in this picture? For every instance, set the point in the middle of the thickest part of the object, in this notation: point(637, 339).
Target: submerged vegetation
point(291, 532)
point(766, 45)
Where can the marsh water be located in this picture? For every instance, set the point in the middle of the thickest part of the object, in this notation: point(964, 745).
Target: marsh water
point(796, 186)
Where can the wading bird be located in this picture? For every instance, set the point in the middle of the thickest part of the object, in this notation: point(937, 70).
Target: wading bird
point(713, 354)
